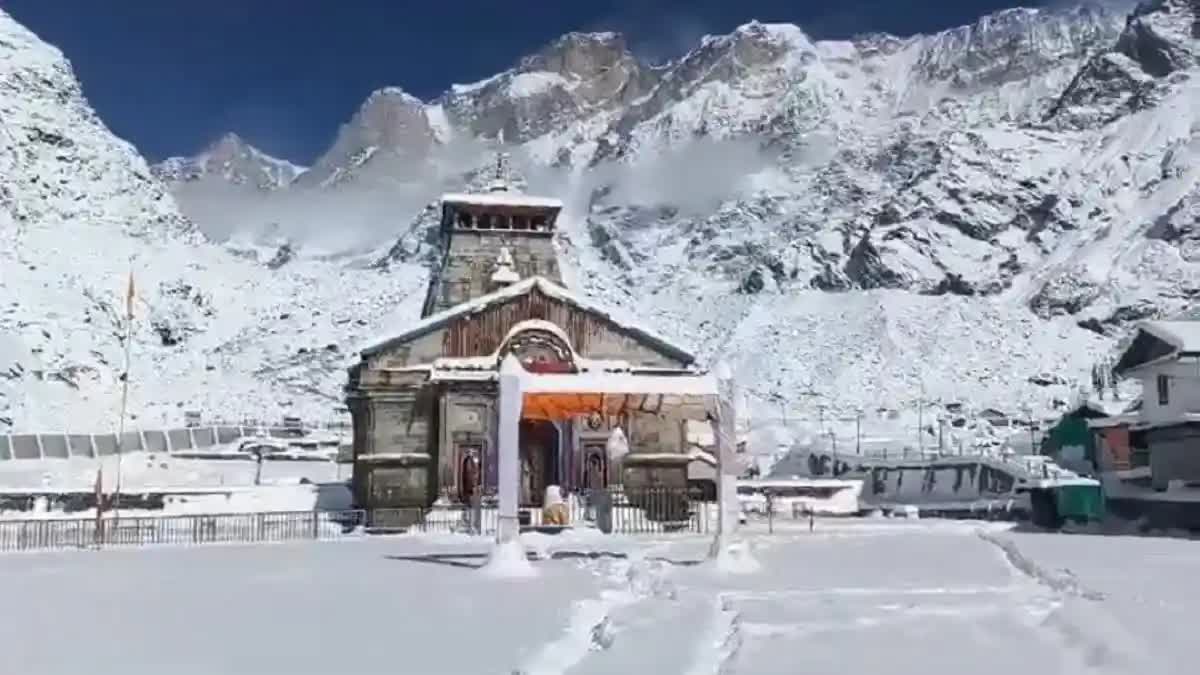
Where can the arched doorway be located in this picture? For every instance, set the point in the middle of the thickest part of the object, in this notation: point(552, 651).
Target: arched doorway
point(595, 467)
point(539, 451)
point(470, 475)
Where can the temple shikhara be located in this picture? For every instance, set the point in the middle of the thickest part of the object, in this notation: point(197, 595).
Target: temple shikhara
point(424, 403)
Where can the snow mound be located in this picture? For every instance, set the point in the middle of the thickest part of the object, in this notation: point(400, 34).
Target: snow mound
point(509, 561)
point(736, 558)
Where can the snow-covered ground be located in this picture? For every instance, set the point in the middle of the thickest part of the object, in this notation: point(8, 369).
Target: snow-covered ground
point(193, 485)
point(153, 471)
point(951, 598)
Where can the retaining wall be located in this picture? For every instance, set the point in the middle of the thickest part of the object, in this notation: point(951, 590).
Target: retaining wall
point(66, 446)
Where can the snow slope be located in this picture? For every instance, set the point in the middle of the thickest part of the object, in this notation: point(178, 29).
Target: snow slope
point(214, 329)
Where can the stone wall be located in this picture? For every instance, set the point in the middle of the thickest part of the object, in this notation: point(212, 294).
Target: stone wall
point(468, 266)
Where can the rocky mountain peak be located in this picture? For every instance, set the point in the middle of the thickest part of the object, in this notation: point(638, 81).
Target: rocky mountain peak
point(596, 68)
point(579, 54)
point(1014, 43)
point(749, 46)
point(232, 159)
point(1163, 36)
point(391, 129)
point(389, 97)
point(576, 75)
point(1160, 38)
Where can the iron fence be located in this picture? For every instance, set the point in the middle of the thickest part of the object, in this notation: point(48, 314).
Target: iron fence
point(655, 511)
point(67, 533)
point(616, 511)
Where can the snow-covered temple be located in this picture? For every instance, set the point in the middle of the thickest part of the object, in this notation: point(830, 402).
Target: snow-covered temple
point(424, 403)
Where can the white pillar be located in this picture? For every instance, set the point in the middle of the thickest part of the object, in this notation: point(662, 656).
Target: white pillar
point(508, 455)
point(724, 431)
point(728, 456)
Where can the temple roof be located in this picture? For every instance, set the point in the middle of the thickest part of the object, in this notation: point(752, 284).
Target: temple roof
point(501, 199)
point(546, 287)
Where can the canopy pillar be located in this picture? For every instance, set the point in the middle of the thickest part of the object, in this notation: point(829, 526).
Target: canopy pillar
point(561, 396)
point(724, 430)
point(508, 438)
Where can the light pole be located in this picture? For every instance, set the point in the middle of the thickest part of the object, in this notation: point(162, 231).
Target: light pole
point(1033, 449)
point(858, 432)
point(921, 421)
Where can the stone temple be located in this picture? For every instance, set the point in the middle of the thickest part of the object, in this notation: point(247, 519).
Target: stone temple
point(424, 402)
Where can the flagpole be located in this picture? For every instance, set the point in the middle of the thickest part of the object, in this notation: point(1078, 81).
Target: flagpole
point(129, 294)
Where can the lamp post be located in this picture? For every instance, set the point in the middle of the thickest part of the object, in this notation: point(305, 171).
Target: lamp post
point(858, 431)
point(921, 421)
point(1033, 449)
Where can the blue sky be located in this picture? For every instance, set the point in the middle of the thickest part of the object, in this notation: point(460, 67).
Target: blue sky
point(172, 75)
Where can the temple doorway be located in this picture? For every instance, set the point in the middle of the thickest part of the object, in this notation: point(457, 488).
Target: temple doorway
point(539, 443)
point(595, 466)
point(470, 474)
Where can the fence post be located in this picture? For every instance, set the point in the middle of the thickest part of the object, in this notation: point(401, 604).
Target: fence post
point(99, 533)
point(770, 512)
point(316, 524)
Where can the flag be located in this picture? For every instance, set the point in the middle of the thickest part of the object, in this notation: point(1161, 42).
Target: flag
point(129, 293)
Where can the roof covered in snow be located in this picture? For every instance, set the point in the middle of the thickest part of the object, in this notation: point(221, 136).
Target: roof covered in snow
point(1184, 336)
point(523, 287)
point(1158, 341)
point(500, 199)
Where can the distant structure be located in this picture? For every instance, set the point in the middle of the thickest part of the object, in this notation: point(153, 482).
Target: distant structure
point(1164, 430)
point(423, 402)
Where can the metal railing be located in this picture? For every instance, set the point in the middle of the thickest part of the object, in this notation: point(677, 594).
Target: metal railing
point(68, 533)
point(176, 440)
point(618, 511)
point(655, 511)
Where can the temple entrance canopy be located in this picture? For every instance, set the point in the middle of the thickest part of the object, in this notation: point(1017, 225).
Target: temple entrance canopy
point(559, 396)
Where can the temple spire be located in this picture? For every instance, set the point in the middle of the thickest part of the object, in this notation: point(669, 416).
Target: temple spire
point(506, 272)
point(501, 182)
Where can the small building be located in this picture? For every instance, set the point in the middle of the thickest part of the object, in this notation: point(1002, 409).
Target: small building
point(1072, 440)
point(1165, 357)
point(996, 418)
point(424, 401)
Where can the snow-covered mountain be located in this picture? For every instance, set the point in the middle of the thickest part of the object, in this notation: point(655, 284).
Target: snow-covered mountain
point(231, 160)
point(80, 209)
point(972, 216)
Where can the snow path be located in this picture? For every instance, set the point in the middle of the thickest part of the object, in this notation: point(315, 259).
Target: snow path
point(1063, 580)
point(627, 622)
point(1088, 637)
point(722, 643)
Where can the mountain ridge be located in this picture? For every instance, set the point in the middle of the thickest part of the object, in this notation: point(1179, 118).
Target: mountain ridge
point(883, 221)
